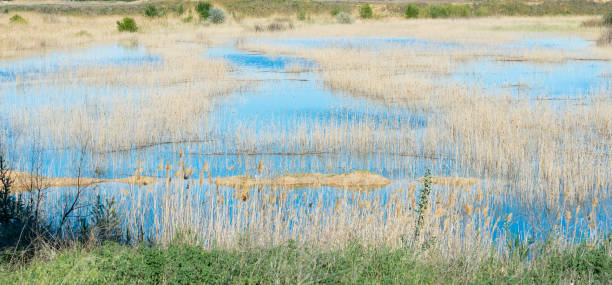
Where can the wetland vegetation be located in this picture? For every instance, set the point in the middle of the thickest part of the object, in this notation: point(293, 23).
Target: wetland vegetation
point(324, 143)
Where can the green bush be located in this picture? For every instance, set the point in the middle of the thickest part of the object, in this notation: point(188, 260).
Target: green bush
point(6, 11)
point(365, 12)
point(203, 8)
point(335, 10)
point(412, 11)
point(151, 11)
point(216, 15)
point(608, 19)
point(344, 18)
point(180, 10)
point(16, 19)
point(127, 25)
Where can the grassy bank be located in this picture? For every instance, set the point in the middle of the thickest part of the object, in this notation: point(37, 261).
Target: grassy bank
point(292, 264)
point(264, 8)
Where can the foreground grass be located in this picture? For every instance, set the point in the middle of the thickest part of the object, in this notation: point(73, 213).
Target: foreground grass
point(180, 263)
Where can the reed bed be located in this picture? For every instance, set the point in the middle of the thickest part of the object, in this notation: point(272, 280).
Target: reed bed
point(508, 161)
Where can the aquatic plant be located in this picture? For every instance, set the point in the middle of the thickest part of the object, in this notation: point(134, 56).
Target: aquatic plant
point(412, 11)
point(365, 11)
point(344, 18)
point(127, 25)
point(216, 15)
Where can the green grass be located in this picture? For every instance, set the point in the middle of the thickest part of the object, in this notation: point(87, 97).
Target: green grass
point(289, 263)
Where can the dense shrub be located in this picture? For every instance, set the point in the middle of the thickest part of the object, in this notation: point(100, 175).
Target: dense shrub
point(16, 19)
point(216, 15)
point(412, 11)
point(344, 18)
point(203, 9)
point(365, 12)
point(608, 19)
point(127, 25)
point(180, 10)
point(151, 11)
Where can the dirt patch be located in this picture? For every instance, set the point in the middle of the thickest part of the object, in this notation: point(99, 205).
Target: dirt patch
point(451, 181)
point(25, 181)
point(357, 180)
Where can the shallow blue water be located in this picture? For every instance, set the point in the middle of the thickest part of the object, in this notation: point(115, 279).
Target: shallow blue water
point(282, 101)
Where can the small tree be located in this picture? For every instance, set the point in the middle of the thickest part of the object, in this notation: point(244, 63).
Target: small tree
point(216, 15)
point(412, 11)
point(365, 11)
point(203, 8)
point(127, 25)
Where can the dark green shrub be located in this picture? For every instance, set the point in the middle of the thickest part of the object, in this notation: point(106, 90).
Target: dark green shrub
point(608, 19)
point(16, 19)
point(151, 11)
point(412, 11)
point(216, 15)
point(6, 11)
point(335, 10)
point(203, 8)
point(365, 12)
point(127, 25)
point(180, 10)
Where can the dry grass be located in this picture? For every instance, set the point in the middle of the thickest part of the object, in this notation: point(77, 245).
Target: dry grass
point(26, 181)
point(358, 180)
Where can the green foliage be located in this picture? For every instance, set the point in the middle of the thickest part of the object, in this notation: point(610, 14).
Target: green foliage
point(335, 10)
point(216, 15)
point(6, 11)
point(423, 204)
point(16, 19)
point(301, 15)
point(344, 18)
point(290, 263)
point(151, 11)
point(365, 11)
point(608, 19)
point(412, 11)
point(180, 10)
point(202, 8)
point(127, 25)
